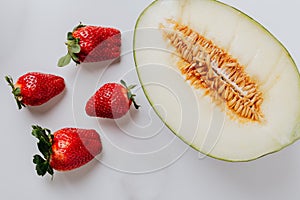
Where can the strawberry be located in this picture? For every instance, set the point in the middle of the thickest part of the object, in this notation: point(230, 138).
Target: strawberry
point(66, 149)
point(112, 100)
point(35, 88)
point(91, 44)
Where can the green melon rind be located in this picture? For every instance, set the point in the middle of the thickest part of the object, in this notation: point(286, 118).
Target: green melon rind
point(295, 132)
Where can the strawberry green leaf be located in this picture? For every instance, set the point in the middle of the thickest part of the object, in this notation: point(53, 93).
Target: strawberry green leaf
point(79, 26)
point(131, 87)
point(63, 61)
point(75, 48)
point(44, 144)
point(38, 159)
point(75, 58)
point(42, 166)
point(123, 83)
point(10, 81)
point(50, 170)
point(41, 133)
point(44, 148)
point(129, 94)
point(70, 36)
point(16, 91)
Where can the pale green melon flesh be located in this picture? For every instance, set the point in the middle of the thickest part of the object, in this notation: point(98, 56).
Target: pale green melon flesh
point(191, 114)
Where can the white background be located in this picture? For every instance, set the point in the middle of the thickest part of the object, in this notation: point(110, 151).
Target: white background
point(148, 163)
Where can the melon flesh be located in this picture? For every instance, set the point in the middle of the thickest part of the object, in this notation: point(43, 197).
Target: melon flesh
point(194, 115)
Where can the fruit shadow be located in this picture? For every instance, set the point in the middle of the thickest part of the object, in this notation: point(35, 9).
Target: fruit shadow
point(126, 120)
point(94, 67)
point(46, 107)
point(77, 175)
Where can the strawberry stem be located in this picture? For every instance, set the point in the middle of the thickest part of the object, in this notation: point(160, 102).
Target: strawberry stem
point(129, 93)
point(45, 146)
point(16, 92)
point(80, 25)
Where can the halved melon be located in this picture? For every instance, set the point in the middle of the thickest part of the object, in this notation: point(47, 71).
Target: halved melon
point(217, 78)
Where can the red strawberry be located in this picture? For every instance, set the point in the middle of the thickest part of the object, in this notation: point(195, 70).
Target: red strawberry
point(92, 44)
point(35, 88)
point(112, 101)
point(66, 149)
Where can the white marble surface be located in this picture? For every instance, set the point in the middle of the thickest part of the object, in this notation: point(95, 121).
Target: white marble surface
point(147, 163)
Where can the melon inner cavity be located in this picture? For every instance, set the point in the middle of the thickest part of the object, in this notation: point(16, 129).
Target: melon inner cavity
point(209, 67)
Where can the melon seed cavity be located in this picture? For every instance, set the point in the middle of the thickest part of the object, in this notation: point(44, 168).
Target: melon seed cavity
point(207, 66)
